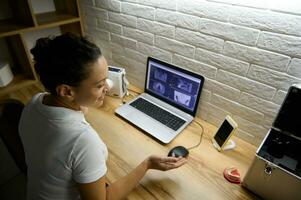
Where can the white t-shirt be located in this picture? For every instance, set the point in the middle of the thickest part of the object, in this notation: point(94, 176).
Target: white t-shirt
point(61, 149)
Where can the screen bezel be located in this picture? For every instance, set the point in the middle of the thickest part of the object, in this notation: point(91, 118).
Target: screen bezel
point(234, 126)
point(198, 76)
point(280, 119)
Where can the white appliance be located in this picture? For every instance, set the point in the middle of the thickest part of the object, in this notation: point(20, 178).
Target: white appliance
point(6, 75)
point(117, 81)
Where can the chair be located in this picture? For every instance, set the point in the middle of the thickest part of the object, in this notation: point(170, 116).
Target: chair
point(10, 113)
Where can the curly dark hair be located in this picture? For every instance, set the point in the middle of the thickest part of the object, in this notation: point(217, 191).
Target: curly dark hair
point(63, 59)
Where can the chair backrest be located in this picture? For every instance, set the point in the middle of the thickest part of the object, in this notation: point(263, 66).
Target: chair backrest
point(10, 113)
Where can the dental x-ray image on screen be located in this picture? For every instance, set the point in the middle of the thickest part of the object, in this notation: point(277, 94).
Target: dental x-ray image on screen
point(159, 87)
point(174, 86)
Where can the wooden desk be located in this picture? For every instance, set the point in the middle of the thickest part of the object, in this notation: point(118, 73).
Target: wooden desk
point(201, 178)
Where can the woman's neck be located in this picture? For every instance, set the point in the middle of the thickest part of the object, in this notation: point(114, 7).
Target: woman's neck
point(52, 100)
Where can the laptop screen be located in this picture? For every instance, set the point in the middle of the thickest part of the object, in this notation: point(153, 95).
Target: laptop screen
point(174, 85)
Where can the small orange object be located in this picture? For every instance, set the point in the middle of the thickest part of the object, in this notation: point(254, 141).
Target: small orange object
point(232, 175)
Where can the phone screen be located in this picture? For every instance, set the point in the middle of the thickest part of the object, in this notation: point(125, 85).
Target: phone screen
point(223, 132)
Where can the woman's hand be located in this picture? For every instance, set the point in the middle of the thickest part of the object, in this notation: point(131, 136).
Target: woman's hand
point(164, 163)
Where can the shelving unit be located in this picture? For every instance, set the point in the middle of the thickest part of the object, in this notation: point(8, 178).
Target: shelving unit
point(21, 18)
point(22, 21)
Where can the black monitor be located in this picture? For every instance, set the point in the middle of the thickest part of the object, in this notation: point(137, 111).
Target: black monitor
point(288, 118)
point(176, 86)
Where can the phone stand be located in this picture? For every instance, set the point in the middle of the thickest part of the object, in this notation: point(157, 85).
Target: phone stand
point(230, 145)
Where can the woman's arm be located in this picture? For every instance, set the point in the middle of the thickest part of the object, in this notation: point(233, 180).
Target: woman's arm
point(122, 187)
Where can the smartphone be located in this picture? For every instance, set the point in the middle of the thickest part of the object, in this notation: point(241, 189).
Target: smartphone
point(224, 132)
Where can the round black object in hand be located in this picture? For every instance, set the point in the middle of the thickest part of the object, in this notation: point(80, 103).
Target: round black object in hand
point(178, 151)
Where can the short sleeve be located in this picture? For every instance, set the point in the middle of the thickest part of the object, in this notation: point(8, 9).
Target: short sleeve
point(88, 158)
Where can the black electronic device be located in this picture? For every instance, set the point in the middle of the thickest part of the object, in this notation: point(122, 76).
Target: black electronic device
point(221, 140)
point(178, 151)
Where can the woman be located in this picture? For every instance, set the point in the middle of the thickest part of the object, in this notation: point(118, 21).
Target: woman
point(66, 158)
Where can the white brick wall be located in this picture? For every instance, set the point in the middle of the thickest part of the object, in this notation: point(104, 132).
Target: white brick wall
point(249, 54)
point(222, 62)
point(109, 26)
point(174, 46)
point(112, 5)
point(228, 31)
point(156, 28)
point(141, 36)
point(199, 40)
point(195, 66)
point(294, 68)
point(125, 20)
point(256, 55)
point(289, 45)
point(154, 51)
point(138, 10)
point(177, 19)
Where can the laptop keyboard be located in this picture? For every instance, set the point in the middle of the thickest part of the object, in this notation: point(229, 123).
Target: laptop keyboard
point(158, 113)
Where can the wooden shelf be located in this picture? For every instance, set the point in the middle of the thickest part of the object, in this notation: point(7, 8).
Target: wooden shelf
point(19, 81)
point(10, 27)
point(23, 20)
point(54, 17)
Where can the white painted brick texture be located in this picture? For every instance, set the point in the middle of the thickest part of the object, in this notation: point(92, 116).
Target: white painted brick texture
point(204, 9)
point(261, 105)
point(249, 55)
point(177, 19)
point(279, 97)
point(294, 68)
point(167, 4)
point(245, 84)
point(141, 36)
point(174, 46)
point(112, 5)
point(138, 10)
point(222, 89)
point(223, 62)
point(273, 78)
point(154, 52)
point(109, 26)
point(229, 31)
point(124, 41)
point(289, 45)
point(156, 28)
point(195, 66)
point(122, 19)
point(237, 108)
point(96, 12)
point(256, 55)
point(199, 40)
point(265, 20)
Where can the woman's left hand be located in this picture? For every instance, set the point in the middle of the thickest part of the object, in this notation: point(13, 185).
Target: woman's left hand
point(165, 163)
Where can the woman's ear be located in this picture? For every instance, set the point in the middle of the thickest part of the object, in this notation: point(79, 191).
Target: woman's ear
point(65, 91)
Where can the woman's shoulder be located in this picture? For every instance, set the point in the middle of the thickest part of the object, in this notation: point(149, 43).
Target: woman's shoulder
point(36, 98)
point(32, 103)
point(90, 136)
point(89, 142)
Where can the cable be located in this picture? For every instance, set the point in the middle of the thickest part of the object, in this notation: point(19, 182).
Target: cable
point(201, 135)
point(128, 89)
point(129, 94)
point(198, 123)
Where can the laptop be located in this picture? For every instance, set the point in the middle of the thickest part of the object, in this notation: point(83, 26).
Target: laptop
point(169, 102)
